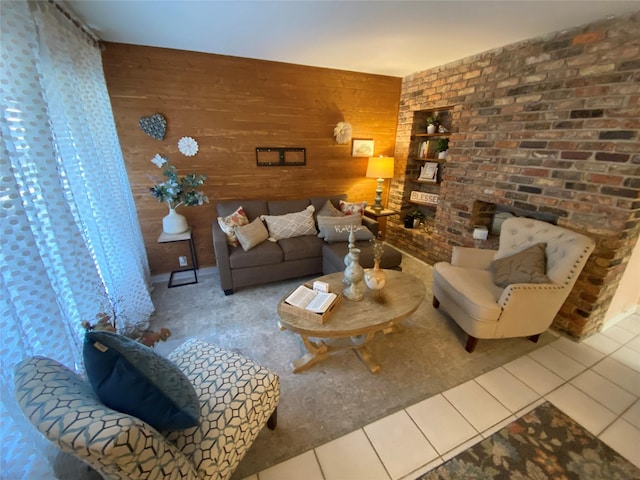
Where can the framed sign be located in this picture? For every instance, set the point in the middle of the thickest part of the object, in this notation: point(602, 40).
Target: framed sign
point(362, 147)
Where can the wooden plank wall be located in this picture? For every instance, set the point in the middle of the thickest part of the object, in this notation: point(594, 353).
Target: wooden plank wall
point(232, 105)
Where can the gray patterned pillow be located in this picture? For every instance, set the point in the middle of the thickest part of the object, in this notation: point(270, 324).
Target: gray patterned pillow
point(291, 225)
point(527, 266)
point(131, 378)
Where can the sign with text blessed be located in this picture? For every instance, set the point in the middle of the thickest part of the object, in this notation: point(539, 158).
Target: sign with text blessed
point(424, 198)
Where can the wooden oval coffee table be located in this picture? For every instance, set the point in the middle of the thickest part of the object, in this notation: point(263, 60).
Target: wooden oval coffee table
point(352, 325)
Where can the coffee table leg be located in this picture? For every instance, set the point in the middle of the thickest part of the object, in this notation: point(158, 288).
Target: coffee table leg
point(317, 351)
point(367, 359)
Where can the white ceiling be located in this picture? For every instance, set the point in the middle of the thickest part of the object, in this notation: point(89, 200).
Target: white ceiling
point(392, 37)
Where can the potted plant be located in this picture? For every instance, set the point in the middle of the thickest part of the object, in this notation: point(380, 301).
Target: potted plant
point(107, 320)
point(176, 191)
point(413, 219)
point(442, 145)
point(432, 122)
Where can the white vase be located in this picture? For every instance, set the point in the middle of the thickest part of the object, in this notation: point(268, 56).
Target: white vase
point(442, 155)
point(431, 128)
point(174, 223)
point(374, 277)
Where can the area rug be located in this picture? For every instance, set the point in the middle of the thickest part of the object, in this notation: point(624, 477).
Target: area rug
point(543, 444)
point(339, 394)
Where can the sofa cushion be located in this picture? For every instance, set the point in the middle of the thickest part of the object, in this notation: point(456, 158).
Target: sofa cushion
point(267, 253)
point(291, 224)
point(282, 207)
point(352, 208)
point(252, 208)
point(131, 378)
point(329, 224)
point(335, 253)
point(307, 246)
point(229, 223)
point(526, 266)
point(252, 234)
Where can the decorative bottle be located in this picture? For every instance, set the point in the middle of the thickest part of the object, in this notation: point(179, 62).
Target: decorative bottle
point(353, 277)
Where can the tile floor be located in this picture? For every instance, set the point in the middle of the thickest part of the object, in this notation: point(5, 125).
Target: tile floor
point(596, 382)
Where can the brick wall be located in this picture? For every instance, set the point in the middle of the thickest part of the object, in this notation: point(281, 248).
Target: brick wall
point(548, 126)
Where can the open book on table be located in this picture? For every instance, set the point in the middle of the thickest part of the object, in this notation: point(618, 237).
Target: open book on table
point(308, 299)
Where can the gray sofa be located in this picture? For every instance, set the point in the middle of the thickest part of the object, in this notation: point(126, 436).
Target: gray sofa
point(289, 257)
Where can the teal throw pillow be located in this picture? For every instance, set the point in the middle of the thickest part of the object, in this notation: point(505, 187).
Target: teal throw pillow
point(131, 378)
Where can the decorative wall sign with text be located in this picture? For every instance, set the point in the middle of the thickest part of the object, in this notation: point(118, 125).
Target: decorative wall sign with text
point(155, 126)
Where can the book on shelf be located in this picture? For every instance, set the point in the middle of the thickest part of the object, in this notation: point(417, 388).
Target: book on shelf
point(308, 299)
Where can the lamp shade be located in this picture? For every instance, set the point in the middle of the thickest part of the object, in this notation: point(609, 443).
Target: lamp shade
point(380, 167)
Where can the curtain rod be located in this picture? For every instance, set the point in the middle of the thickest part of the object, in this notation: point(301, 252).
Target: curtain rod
point(85, 30)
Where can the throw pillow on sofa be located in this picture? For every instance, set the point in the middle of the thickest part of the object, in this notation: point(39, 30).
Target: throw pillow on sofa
point(352, 208)
point(251, 235)
point(527, 266)
point(131, 378)
point(333, 225)
point(230, 222)
point(328, 210)
point(291, 224)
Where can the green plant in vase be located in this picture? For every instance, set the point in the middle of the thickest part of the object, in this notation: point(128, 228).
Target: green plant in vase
point(432, 122)
point(442, 145)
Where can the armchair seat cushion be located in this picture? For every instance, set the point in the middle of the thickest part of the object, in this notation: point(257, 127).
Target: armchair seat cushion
point(237, 397)
point(470, 288)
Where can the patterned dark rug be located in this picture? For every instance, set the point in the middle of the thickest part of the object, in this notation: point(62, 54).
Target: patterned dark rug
point(544, 444)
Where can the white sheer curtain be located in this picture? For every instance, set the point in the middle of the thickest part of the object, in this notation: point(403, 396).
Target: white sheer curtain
point(69, 234)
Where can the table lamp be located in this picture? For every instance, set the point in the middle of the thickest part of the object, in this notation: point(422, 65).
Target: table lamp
point(380, 168)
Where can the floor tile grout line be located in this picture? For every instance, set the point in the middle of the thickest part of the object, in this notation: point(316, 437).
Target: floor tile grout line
point(315, 455)
point(376, 451)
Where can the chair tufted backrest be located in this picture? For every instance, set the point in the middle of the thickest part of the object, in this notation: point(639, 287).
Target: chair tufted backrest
point(64, 408)
point(567, 251)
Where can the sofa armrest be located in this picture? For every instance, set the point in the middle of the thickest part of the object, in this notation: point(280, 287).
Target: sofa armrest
point(221, 249)
point(371, 224)
point(472, 257)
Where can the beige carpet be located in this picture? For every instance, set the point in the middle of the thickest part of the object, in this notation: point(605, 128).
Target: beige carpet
point(339, 394)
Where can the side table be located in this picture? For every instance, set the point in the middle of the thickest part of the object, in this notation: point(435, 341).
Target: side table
point(182, 237)
point(380, 217)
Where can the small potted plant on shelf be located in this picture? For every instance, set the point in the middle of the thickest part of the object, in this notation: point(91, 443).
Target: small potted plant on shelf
point(442, 145)
point(432, 123)
point(413, 219)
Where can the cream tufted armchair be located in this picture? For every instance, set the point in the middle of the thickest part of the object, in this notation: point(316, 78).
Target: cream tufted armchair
point(465, 288)
point(237, 398)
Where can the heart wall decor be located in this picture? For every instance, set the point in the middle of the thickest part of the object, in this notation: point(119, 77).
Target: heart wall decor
point(155, 126)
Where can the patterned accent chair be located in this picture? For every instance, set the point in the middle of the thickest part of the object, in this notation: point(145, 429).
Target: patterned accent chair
point(465, 288)
point(237, 398)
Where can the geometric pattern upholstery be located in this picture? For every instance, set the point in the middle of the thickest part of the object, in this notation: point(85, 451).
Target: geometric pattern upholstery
point(291, 225)
point(237, 398)
point(236, 395)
